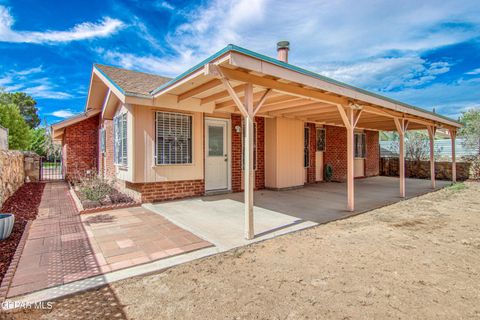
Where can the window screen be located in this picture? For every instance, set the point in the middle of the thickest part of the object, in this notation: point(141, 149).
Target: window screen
point(320, 139)
point(359, 145)
point(174, 138)
point(102, 140)
point(120, 139)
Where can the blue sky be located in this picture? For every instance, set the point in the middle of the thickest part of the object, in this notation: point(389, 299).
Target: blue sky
point(426, 53)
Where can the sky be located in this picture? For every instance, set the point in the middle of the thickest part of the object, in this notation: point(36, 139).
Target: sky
point(425, 53)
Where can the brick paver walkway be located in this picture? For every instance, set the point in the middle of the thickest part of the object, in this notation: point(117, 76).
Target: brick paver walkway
point(63, 246)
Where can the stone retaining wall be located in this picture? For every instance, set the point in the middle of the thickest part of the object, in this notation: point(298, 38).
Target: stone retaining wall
point(421, 170)
point(15, 166)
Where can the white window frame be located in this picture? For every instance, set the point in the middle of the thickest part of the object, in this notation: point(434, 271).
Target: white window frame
point(364, 146)
point(103, 147)
point(120, 124)
point(192, 139)
point(325, 139)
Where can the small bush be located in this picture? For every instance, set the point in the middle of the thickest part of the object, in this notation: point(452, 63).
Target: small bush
point(475, 169)
point(457, 186)
point(96, 188)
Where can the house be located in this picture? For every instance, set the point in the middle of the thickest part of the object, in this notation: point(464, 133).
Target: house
point(237, 120)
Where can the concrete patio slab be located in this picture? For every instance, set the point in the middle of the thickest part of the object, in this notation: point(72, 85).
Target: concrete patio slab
point(219, 219)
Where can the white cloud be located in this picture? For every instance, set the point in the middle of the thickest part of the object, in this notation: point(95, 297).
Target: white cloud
point(164, 5)
point(474, 72)
point(62, 114)
point(82, 31)
point(33, 82)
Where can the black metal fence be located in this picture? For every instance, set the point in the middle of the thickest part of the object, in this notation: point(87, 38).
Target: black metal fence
point(51, 168)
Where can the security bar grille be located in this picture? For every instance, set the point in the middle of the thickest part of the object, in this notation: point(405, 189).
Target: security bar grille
point(174, 138)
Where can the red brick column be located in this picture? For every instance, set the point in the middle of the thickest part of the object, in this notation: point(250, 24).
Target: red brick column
point(80, 147)
point(311, 171)
point(237, 154)
point(372, 162)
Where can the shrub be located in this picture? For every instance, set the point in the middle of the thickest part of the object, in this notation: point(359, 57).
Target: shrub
point(96, 188)
point(475, 169)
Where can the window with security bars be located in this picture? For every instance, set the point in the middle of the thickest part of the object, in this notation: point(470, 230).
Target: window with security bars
point(173, 138)
point(254, 145)
point(320, 139)
point(120, 139)
point(360, 145)
point(102, 140)
point(306, 147)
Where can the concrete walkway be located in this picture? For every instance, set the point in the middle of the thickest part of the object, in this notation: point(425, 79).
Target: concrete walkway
point(63, 246)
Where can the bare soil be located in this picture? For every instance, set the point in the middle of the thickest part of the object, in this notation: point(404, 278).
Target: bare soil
point(417, 259)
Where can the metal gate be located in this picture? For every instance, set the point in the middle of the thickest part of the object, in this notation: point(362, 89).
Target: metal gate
point(51, 167)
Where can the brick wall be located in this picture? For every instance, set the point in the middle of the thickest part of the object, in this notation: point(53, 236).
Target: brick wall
point(80, 147)
point(168, 190)
point(372, 161)
point(336, 152)
point(237, 154)
point(311, 170)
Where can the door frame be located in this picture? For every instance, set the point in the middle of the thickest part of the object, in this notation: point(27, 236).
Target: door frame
point(229, 151)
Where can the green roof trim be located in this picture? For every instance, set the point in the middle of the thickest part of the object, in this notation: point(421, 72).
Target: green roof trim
point(253, 54)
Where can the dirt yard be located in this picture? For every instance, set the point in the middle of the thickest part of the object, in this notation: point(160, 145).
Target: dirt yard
point(417, 259)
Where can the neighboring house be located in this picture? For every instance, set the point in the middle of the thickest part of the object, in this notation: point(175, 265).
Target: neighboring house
point(167, 138)
point(443, 149)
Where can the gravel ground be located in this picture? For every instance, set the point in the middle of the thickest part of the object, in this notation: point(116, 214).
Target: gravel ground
point(24, 204)
point(417, 259)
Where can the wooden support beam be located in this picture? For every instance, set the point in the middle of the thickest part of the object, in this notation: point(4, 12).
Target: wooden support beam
point(248, 165)
point(453, 135)
point(260, 103)
point(221, 95)
point(199, 89)
point(350, 118)
point(401, 125)
point(281, 87)
point(431, 135)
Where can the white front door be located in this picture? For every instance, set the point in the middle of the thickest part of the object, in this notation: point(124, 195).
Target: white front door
point(216, 154)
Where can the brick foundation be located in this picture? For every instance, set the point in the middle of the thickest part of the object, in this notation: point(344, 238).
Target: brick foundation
point(168, 190)
point(80, 148)
point(237, 154)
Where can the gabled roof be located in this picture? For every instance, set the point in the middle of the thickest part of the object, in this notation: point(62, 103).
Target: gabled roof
point(57, 128)
point(132, 82)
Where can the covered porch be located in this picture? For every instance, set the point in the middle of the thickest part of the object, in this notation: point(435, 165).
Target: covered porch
point(218, 219)
point(239, 81)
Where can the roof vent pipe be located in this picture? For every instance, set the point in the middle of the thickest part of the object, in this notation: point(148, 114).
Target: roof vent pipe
point(282, 49)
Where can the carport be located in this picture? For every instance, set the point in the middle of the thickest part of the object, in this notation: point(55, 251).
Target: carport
point(236, 80)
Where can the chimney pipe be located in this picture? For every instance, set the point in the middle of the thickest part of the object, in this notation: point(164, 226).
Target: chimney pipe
point(282, 49)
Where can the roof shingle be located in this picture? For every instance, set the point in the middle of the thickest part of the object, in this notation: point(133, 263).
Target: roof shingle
point(133, 81)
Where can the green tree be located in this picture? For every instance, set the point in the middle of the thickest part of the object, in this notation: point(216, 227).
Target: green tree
point(38, 141)
point(18, 129)
point(25, 103)
point(471, 128)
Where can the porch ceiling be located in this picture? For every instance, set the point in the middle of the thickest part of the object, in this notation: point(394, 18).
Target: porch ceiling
point(288, 98)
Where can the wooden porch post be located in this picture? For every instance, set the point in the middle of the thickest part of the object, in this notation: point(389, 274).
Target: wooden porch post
point(401, 125)
point(453, 135)
point(350, 118)
point(431, 135)
point(248, 162)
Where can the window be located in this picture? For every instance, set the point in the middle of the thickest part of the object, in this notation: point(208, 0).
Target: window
point(320, 139)
point(254, 145)
point(306, 147)
point(102, 140)
point(359, 145)
point(174, 138)
point(120, 139)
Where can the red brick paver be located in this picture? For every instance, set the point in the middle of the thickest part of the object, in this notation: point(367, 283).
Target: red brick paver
point(63, 246)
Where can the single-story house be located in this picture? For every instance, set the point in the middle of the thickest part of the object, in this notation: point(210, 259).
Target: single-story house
point(236, 121)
